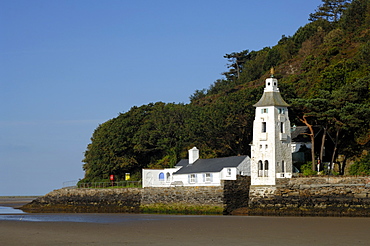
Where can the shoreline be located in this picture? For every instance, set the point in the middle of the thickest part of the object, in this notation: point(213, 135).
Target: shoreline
point(165, 230)
point(16, 201)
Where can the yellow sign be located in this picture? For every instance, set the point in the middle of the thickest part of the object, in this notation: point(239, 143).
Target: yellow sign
point(127, 176)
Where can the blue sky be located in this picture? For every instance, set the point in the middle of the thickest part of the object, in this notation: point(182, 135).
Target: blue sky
point(67, 66)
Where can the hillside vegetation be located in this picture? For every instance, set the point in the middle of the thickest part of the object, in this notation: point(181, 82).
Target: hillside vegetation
point(323, 72)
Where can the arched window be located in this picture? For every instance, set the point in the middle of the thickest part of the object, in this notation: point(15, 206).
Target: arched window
point(161, 177)
point(266, 172)
point(168, 177)
point(260, 168)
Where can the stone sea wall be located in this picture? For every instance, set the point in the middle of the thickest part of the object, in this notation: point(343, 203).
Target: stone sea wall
point(319, 196)
point(326, 196)
point(87, 200)
point(134, 200)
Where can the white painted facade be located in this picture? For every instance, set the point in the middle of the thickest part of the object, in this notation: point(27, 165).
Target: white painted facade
point(158, 177)
point(168, 177)
point(271, 149)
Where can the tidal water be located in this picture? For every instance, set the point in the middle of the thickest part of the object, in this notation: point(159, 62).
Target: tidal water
point(12, 214)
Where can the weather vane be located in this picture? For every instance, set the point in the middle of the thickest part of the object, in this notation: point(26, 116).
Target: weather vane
point(272, 71)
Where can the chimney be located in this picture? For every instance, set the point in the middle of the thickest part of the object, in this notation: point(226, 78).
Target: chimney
point(193, 155)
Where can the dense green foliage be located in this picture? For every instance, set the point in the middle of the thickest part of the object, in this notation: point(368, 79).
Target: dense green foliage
point(323, 72)
point(361, 167)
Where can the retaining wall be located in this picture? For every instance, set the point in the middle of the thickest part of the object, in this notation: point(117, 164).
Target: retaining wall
point(327, 196)
point(334, 196)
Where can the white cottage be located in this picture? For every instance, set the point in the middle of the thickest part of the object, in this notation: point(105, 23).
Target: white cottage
point(197, 172)
point(271, 152)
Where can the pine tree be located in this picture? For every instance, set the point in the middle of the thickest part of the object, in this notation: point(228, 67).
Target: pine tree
point(330, 10)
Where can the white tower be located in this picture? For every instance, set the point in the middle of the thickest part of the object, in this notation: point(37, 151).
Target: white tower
point(271, 151)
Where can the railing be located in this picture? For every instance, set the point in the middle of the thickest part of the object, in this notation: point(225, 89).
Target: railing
point(70, 184)
point(117, 184)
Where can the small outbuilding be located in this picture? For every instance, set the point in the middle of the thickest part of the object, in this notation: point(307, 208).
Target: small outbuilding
point(198, 172)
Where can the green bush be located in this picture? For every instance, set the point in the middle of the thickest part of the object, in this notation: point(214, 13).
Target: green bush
point(306, 169)
point(361, 167)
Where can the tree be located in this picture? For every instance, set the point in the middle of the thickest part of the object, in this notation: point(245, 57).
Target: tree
point(361, 167)
point(330, 10)
point(237, 60)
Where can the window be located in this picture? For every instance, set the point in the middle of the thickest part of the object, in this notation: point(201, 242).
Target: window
point(264, 111)
point(260, 169)
point(192, 178)
point(168, 177)
point(229, 172)
point(208, 178)
point(263, 168)
point(282, 127)
point(263, 126)
point(281, 110)
point(266, 168)
point(266, 146)
point(282, 166)
point(161, 177)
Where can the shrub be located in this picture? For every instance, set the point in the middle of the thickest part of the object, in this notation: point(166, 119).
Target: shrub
point(361, 167)
point(306, 169)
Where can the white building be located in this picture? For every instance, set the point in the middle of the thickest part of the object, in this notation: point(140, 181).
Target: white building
point(271, 147)
point(197, 172)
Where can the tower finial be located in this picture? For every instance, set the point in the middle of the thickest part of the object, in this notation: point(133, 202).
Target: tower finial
point(272, 71)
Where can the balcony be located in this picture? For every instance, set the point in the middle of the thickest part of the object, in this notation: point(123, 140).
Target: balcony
point(283, 136)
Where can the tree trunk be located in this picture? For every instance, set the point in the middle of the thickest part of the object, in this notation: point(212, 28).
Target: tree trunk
point(322, 144)
point(312, 137)
point(335, 148)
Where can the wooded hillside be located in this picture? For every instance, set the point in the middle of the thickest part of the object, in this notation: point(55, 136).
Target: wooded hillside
point(323, 72)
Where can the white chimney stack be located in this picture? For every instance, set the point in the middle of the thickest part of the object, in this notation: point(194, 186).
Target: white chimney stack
point(193, 155)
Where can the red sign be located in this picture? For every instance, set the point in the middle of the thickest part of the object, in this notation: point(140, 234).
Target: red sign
point(111, 177)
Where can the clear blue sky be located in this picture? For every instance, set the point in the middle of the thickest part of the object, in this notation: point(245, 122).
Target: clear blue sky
point(67, 66)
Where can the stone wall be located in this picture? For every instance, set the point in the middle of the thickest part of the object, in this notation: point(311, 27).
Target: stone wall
point(87, 200)
point(127, 199)
point(326, 196)
point(236, 193)
point(199, 195)
point(335, 196)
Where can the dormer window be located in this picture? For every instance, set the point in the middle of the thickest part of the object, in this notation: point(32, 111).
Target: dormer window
point(264, 111)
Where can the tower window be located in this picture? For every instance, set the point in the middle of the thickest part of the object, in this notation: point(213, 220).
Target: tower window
point(263, 168)
point(264, 127)
point(266, 171)
point(282, 127)
point(264, 111)
point(281, 111)
point(260, 169)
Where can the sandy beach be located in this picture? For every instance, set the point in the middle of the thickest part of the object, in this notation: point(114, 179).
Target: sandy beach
point(129, 229)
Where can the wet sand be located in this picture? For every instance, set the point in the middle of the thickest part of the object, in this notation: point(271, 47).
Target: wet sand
point(192, 230)
point(129, 229)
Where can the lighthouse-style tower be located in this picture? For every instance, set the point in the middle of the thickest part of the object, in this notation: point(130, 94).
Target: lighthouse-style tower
point(271, 148)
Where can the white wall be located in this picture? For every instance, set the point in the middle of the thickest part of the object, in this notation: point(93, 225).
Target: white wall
point(151, 177)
